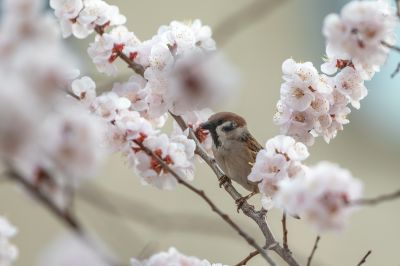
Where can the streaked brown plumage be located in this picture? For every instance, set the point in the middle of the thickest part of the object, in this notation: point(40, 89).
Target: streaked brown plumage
point(234, 148)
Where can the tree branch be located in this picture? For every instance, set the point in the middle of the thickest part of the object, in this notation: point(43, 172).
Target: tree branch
point(66, 217)
point(313, 250)
point(364, 259)
point(203, 195)
point(248, 210)
point(285, 232)
point(378, 199)
point(257, 216)
point(248, 258)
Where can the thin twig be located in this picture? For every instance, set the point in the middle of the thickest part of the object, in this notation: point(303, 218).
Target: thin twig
point(137, 68)
point(248, 258)
point(391, 46)
point(378, 199)
point(257, 216)
point(243, 19)
point(398, 7)
point(396, 71)
point(65, 216)
point(313, 250)
point(285, 232)
point(364, 259)
point(203, 195)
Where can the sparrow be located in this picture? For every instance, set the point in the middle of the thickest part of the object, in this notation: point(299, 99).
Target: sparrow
point(234, 148)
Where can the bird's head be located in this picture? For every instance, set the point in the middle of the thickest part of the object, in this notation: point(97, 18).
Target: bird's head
point(225, 126)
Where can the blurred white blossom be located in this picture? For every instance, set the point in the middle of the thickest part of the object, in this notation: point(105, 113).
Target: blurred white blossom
point(358, 32)
point(70, 251)
point(322, 196)
point(172, 258)
point(8, 251)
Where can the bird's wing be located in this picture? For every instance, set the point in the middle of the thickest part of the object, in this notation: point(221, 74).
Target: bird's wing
point(253, 145)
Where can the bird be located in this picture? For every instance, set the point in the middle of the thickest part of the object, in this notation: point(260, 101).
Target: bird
point(234, 148)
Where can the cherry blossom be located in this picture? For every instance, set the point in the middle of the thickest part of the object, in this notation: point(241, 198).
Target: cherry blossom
point(107, 47)
point(280, 160)
point(322, 196)
point(84, 88)
point(177, 152)
point(358, 32)
point(8, 251)
point(172, 258)
point(193, 120)
point(80, 17)
point(70, 251)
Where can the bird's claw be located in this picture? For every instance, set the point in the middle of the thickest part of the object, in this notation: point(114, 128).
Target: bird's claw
point(222, 180)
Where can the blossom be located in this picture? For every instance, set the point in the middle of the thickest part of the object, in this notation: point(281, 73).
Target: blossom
point(193, 120)
point(84, 88)
point(177, 152)
point(313, 104)
point(172, 258)
point(280, 160)
point(72, 142)
point(349, 83)
point(322, 196)
point(8, 252)
point(109, 104)
point(201, 81)
point(70, 251)
point(133, 90)
point(358, 32)
point(107, 47)
point(80, 17)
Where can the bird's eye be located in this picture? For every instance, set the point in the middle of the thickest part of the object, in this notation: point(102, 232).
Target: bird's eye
point(229, 127)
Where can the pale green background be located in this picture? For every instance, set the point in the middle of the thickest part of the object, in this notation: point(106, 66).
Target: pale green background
point(369, 146)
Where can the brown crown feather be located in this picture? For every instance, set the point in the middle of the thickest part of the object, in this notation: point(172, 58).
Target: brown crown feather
point(228, 116)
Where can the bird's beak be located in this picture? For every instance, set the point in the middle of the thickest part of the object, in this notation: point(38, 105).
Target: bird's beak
point(207, 125)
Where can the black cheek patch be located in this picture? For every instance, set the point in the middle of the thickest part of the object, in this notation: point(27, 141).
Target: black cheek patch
point(215, 138)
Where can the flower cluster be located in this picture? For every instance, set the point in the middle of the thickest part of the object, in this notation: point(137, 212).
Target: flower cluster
point(322, 196)
point(128, 127)
point(280, 160)
point(177, 71)
point(181, 70)
point(81, 17)
point(8, 252)
point(314, 104)
point(172, 258)
point(176, 152)
point(49, 139)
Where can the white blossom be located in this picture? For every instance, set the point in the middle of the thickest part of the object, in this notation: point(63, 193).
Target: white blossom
point(358, 32)
point(80, 17)
point(280, 160)
point(107, 47)
point(84, 88)
point(70, 251)
point(177, 152)
point(134, 90)
point(322, 196)
point(172, 258)
point(72, 142)
point(193, 120)
point(8, 251)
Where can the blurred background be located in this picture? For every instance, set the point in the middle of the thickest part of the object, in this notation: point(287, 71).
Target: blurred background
point(136, 221)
